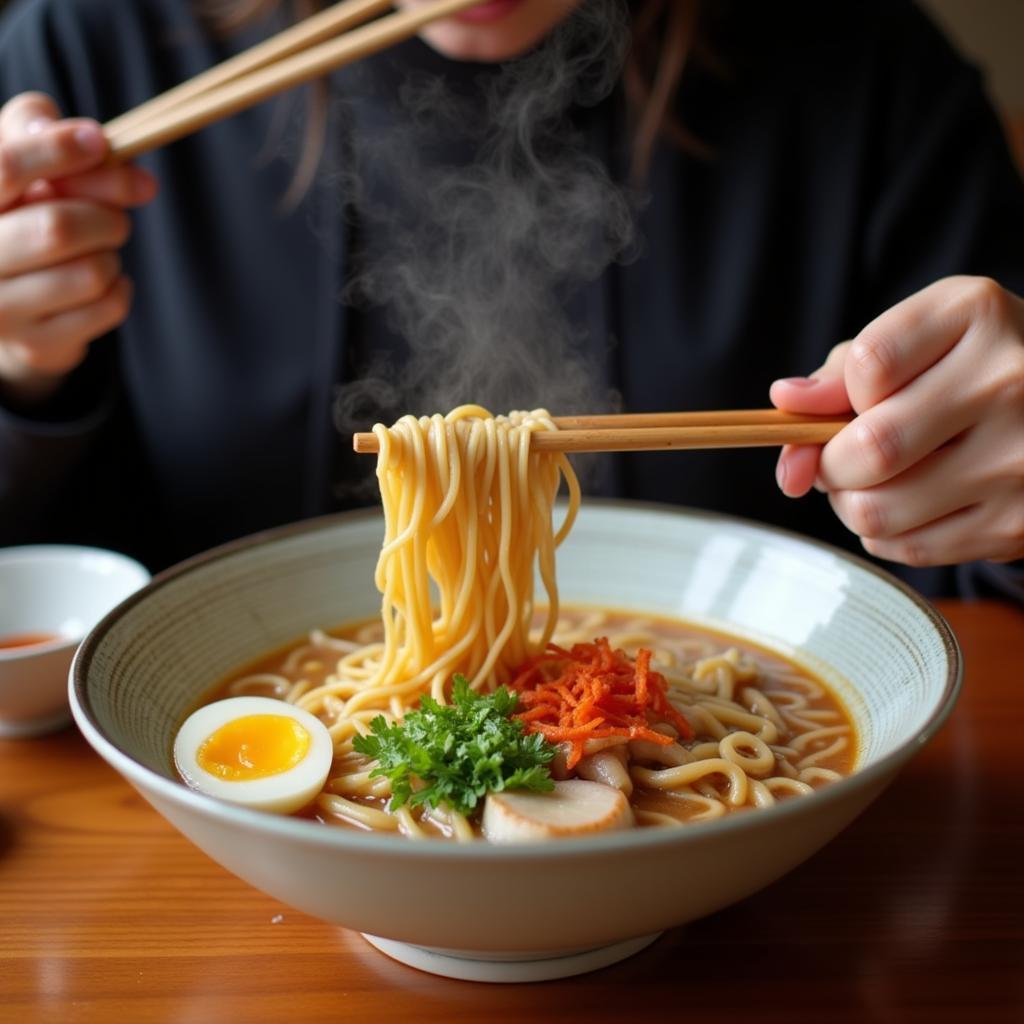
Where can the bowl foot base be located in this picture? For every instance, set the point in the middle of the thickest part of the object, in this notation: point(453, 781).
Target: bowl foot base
point(508, 968)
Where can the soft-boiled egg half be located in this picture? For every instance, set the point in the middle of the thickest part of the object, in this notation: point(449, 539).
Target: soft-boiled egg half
point(255, 751)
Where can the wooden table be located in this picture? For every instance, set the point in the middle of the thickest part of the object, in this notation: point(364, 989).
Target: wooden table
point(915, 913)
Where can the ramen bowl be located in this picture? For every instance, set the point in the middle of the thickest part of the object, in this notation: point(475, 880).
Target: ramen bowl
point(524, 912)
point(50, 597)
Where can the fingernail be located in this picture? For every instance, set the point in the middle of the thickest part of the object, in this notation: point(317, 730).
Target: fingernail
point(781, 472)
point(799, 382)
point(38, 125)
point(91, 140)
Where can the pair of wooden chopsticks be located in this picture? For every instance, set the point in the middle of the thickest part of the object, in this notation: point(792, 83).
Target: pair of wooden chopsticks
point(312, 48)
point(663, 431)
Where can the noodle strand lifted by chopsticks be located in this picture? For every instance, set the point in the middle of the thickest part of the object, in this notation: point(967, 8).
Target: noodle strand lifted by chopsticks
point(468, 510)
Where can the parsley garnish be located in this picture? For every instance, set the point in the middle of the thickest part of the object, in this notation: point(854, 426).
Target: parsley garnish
point(458, 752)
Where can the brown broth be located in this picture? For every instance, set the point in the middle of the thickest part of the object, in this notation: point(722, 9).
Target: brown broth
point(670, 639)
point(15, 640)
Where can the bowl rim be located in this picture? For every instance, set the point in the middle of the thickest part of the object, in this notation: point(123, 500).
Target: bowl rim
point(357, 842)
point(51, 552)
point(26, 652)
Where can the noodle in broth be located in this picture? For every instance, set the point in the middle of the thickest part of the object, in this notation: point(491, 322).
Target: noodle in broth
point(765, 729)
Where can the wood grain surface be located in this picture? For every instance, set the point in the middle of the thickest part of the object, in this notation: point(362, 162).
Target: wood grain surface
point(915, 913)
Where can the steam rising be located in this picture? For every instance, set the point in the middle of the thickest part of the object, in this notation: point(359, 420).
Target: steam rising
point(480, 254)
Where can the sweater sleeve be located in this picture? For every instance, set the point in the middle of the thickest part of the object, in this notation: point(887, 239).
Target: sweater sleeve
point(39, 452)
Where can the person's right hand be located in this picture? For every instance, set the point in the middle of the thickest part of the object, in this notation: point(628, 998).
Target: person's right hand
point(62, 222)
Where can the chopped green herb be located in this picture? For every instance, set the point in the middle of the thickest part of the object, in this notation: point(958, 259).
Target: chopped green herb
point(457, 753)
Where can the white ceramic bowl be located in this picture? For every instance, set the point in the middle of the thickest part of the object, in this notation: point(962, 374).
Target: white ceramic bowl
point(61, 592)
point(483, 911)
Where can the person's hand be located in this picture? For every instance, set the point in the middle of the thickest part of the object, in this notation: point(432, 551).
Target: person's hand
point(931, 470)
point(62, 222)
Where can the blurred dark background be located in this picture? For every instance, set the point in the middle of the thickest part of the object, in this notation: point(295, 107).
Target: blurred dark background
point(991, 33)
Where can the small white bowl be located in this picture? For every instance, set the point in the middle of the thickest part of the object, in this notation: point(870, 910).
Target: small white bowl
point(503, 913)
point(56, 591)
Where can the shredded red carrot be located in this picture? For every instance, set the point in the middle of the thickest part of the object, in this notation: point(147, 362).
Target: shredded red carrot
point(592, 692)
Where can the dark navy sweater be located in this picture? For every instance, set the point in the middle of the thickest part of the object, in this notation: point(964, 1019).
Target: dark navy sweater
point(855, 160)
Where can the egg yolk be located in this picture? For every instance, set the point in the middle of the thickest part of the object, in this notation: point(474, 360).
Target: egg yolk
point(253, 747)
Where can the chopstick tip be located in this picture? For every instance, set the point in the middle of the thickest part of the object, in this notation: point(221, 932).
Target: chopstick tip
point(365, 444)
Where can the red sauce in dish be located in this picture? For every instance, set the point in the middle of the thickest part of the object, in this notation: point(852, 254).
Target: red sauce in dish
point(25, 640)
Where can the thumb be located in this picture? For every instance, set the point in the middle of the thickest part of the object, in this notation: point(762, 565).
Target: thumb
point(33, 146)
point(27, 114)
point(822, 393)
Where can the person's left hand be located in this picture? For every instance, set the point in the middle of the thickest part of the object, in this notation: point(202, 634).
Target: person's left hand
point(931, 470)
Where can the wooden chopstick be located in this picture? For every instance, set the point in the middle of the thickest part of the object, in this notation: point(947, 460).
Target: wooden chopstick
point(634, 432)
point(132, 134)
point(709, 418)
point(312, 30)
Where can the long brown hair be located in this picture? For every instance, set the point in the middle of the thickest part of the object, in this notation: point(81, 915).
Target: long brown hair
point(666, 34)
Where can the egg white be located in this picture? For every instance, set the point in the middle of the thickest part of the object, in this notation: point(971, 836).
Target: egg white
point(281, 793)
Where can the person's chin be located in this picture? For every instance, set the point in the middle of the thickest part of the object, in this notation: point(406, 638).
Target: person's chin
point(476, 44)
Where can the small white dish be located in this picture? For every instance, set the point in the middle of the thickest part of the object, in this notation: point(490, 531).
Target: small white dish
point(531, 911)
point(57, 592)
